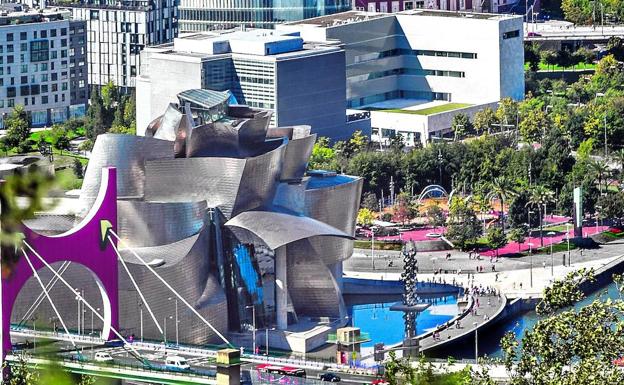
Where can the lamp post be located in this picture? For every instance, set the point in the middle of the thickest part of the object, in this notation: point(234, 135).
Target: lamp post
point(78, 310)
point(552, 269)
point(531, 262)
point(476, 324)
point(141, 318)
point(373, 246)
point(34, 320)
point(568, 240)
point(176, 320)
point(267, 340)
point(253, 315)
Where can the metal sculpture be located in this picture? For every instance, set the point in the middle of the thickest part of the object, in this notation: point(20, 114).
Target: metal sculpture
point(86, 244)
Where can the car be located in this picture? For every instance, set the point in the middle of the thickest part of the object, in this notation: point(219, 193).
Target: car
point(103, 357)
point(177, 363)
point(533, 34)
point(379, 381)
point(329, 377)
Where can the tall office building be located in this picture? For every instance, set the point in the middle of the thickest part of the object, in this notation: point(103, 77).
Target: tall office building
point(118, 31)
point(204, 15)
point(300, 83)
point(42, 64)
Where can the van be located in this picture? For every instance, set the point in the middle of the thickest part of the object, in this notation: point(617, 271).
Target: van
point(103, 357)
point(177, 363)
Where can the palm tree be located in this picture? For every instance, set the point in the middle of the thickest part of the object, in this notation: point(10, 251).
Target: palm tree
point(618, 156)
point(600, 169)
point(502, 188)
point(482, 204)
point(539, 197)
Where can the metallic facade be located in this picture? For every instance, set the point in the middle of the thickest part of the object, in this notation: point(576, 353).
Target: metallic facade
point(223, 211)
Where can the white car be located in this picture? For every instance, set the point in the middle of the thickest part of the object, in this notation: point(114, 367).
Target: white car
point(103, 357)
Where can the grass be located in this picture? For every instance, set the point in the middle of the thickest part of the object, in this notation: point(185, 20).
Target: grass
point(546, 67)
point(67, 180)
point(379, 245)
point(431, 110)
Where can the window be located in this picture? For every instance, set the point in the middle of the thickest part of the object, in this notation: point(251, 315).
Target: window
point(24, 91)
point(54, 76)
point(10, 59)
point(81, 83)
point(24, 79)
point(52, 33)
point(24, 47)
point(24, 68)
point(44, 66)
point(10, 48)
point(44, 99)
point(39, 50)
point(63, 42)
point(63, 31)
point(54, 54)
point(54, 87)
point(11, 103)
point(44, 34)
point(9, 37)
point(511, 34)
point(44, 77)
point(11, 92)
point(64, 86)
point(23, 35)
point(44, 88)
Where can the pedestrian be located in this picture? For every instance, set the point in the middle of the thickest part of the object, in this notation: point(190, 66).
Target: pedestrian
point(544, 264)
point(493, 268)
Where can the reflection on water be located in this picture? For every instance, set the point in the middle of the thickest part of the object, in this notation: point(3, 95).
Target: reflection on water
point(372, 314)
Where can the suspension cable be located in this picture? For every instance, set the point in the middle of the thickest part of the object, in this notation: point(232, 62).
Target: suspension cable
point(33, 308)
point(184, 301)
point(136, 286)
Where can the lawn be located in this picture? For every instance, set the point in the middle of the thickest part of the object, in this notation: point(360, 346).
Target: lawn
point(66, 179)
point(379, 245)
point(431, 110)
point(546, 67)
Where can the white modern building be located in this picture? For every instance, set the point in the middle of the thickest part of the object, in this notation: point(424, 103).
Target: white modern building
point(118, 31)
point(42, 64)
point(300, 83)
point(420, 59)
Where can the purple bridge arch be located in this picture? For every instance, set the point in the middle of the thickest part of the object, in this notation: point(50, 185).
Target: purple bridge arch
point(86, 244)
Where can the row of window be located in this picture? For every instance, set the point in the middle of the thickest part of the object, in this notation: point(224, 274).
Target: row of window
point(36, 34)
point(36, 89)
point(412, 52)
point(398, 94)
point(406, 71)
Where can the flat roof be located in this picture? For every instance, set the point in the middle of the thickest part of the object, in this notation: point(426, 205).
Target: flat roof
point(350, 17)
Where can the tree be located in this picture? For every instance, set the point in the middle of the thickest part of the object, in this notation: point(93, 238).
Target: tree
point(130, 112)
point(323, 156)
point(397, 143)
point(549, 57)
point(502, 188)
point(532, 56)
point(612, 206)
point(370, 201)
point(435, 216)
point(569, 346)
point(577, 11)
point(496, 239)
point(464, 227)
point(358, 142)
point(78, 168)
point(507, 112)
point(483, 120)
point(18, 129)
point(110, 96)
point(518, 235)
point(539, 197)
point(402, 209)
point(95, 120)
point(600, 171)
point(365, 217)
point(460, 125)
point(60, 138)
point(615, 46)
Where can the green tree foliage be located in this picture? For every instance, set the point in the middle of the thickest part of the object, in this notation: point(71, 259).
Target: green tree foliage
point(365, 217)
point(518, 235)
point(399, 371)
point(95, 120)
point(483, 120)
point(18, 129)
point(110, 95)
point(577, 11)
point(612, 206)
point(463, 226)
point(436, 217)
point(461, 125)
point(569, 346)
point(323, 156)
point(532, 55)
point(78, 168)
point(507, 112)
point(369, 201)
point(496, 239)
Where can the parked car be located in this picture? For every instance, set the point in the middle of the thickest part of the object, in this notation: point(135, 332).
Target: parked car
point(329, 377)
point(103, 357)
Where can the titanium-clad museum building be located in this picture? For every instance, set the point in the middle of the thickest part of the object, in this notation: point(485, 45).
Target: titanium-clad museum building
point(220, 205)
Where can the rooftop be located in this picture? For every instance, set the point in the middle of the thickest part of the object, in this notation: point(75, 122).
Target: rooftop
point(205, 98)
point(12, 14)
point(350, 17)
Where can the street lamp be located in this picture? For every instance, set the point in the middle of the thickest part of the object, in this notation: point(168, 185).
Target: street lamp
point(78, 311)
point(176, 320)
point(34, 320)
point(253, 315)
point(373, 246)
point(267, 340)
point(600, 94)
point(551, 234)
point(476, 324)
point(568, 240)
point(141, 318)
point(531, 262)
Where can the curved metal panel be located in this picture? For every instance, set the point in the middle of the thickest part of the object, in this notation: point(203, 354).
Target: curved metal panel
point(311, 285)
point(296, 157)
point(279, 229)
point(215, 180)
point(335, 204)
point(157, 223)
point(128, 154)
